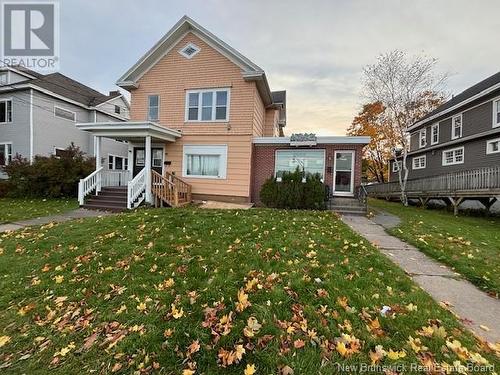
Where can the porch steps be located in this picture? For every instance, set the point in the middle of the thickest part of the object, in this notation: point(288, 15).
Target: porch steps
point(347, 206)
point(112, 199)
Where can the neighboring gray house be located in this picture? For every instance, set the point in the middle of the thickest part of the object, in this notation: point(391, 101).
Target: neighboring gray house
point(38, 114)
point(462, 134)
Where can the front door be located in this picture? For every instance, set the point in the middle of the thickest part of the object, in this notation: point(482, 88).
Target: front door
point(343, 173)
point(156, 159)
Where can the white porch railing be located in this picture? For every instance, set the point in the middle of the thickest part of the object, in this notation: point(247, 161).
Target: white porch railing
point(101, 178)
point(88, 184)
point(136, 191)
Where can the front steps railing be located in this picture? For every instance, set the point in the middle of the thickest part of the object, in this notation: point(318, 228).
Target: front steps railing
point(136, 191)
point(170, 189)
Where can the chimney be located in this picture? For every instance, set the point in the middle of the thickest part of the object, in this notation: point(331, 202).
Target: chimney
point(114, 93)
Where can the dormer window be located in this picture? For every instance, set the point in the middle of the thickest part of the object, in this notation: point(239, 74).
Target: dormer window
point(4, 78)
point(190, 50)
point(456, 126)
point(117, 109)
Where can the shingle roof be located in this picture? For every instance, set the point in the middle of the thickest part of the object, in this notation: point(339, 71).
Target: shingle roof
point(71, 89)
point(466, 94)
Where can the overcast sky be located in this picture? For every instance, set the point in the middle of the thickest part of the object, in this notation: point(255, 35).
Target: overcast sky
point(313, 49)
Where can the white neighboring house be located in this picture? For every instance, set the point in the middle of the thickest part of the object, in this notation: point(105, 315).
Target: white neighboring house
point(39, 113)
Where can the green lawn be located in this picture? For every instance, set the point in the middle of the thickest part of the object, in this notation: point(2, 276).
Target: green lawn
point(470, 245)
point(182, 291)
point(13, 209)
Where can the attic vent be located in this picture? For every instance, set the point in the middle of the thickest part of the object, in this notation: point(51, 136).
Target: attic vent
point(189, 50)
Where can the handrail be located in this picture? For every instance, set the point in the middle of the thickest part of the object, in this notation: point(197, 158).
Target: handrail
point(469, 180)
point(362, 194)
point(170, 189)
point(88, 184)
point(136, 189)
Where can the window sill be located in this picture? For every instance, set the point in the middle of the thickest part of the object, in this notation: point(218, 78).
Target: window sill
point(457, 163)
point(206, 121)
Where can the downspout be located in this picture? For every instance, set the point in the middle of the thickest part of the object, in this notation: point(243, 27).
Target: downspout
point(31, 128)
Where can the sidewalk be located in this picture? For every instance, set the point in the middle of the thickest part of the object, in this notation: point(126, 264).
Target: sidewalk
point(70, 215)
point(473, 306)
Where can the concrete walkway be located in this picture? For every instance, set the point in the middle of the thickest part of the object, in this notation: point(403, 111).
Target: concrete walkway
point(474, 307)
point(79, 213)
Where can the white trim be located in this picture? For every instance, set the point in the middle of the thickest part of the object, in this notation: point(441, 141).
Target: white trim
point(7, 78)
point(5, 149)
point(17, 71)
point(353, 164)
point(11, 111)
point(200, 93)
point(320, 140)
point(443, 161)
point(495, 124)
point(488, 152)
point(453, 137)
point(422, 136)
point(130, 130)
point(32, 129)
point(395, 166)
point(300, 149)
point(158, 106)
point(114, 156)
point(418, 159)
point(66, 110)
point(456, 106)
point(189, 45)
point(434, 126)
point(204, 149)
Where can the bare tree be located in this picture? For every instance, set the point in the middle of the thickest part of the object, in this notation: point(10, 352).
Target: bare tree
point(409, 88)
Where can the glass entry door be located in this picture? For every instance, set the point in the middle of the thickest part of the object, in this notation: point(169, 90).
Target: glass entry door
point(343, 175)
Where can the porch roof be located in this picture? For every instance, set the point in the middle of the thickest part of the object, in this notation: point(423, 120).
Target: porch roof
point(133, 131)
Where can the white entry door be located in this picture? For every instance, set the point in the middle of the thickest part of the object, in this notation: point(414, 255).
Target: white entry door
point(343, 173)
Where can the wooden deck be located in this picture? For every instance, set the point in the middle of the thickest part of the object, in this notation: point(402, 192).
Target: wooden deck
point(481, 184)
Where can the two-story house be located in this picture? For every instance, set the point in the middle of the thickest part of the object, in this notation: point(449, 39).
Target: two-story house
point(206, 125)
point(462, 134)
point(38, 116)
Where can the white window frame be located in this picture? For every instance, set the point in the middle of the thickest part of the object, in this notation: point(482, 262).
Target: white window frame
point(495, 124)
point(416, 162)
point(422, 136)
point(488, 142)
point(5, 144)
point(192, 45)
point(443, 161)
point(435, 127)
point(149, 107)
point(220, 150)
point(64, 109)
point(214, 104)
point(323, 151)
point(7, 78)
point(453, 126)
point(153, 159)
point(124, 162)
point(396, 165)
point(11, 111)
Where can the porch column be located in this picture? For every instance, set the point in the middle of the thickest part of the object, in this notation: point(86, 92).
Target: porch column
point(147, 163)
point(98, 161)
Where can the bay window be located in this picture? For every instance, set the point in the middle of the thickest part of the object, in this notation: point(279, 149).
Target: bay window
point(207, 105)
point(5, 110)
point(309, 161)
point(204, 161)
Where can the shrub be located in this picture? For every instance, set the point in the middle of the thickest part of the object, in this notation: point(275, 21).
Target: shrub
point(49, 177)
point(292, 193)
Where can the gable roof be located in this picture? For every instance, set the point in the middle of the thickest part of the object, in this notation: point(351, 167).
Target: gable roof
point(477, 91)
point(250, 70)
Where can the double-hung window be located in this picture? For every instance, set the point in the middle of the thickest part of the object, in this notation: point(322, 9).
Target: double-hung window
point(396, 166)
point(207, 105)
point(419, 162)
point(496, 112)
point(117, 163)
point(153, 107)
point(5, 110)
point(435, 134)
point(204, 161)
point(5, 153)
point(453, 156)
point(422, 138)
point(493, 146)
point(456, 126)
point(308, 161)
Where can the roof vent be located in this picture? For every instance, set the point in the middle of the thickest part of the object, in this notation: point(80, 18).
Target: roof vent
point(189, 50)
